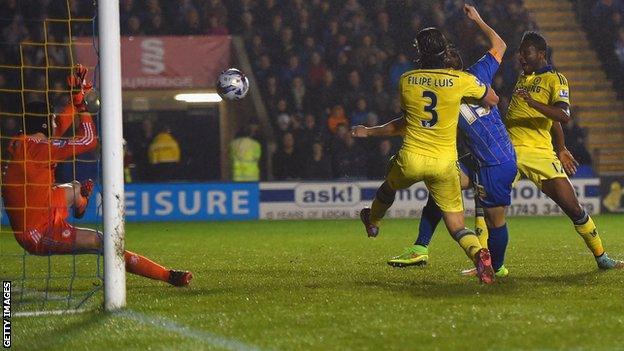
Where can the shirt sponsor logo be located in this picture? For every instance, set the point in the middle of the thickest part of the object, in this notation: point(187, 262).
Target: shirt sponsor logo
point(564, 93)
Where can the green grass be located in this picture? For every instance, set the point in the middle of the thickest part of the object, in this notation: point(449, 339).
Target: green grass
point(322, 285)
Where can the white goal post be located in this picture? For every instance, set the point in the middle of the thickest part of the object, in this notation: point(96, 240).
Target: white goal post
point(112, 154)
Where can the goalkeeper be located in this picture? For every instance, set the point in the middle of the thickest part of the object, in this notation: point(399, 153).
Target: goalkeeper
point(38, 208)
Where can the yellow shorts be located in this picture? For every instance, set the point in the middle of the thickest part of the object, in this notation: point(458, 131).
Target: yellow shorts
point(539, 166)
point(440, 176)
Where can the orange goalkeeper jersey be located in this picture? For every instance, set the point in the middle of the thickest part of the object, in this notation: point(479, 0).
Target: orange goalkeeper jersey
point(29, 176)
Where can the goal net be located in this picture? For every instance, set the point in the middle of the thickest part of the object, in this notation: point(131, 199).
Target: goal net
point(37, 52)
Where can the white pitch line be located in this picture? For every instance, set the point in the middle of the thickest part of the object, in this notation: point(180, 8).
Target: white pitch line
point(49, 313)
point(171, 326)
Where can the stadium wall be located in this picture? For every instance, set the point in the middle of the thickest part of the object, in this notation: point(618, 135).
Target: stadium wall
point(317, 200)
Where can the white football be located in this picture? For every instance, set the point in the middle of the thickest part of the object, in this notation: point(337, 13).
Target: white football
point(232, 84)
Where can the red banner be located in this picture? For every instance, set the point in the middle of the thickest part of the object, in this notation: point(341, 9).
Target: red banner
point(167, 62)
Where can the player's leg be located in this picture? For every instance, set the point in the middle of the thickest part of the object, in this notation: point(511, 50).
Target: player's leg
point(562, 192)
point(496, 183)
point(547, 173)
point(384, 197)
point(445, 189)
point(481, 227)
point(498, 238)
point(91, 241)
point(469, 242)
point(469, 176)
point(418, 254)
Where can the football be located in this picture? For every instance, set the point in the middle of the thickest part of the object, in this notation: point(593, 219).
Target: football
point(232, 84)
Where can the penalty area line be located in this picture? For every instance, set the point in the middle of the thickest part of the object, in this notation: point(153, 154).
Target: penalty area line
point(171, 326)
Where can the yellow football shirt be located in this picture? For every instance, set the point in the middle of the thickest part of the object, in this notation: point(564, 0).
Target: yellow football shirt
point(527, 127)
point(430, 100)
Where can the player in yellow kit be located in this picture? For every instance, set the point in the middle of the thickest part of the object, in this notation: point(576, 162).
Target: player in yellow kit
point(430, 99)
point(541, 102)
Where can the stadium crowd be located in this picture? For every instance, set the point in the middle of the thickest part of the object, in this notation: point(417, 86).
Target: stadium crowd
point(321, 66)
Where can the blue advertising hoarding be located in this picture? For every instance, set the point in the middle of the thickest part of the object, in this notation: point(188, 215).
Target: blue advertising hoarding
point(180, 202)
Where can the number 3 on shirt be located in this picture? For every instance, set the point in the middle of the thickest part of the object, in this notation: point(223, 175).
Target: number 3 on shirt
point(431, 109)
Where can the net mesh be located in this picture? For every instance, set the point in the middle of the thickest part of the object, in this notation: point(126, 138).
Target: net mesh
point(38, 41)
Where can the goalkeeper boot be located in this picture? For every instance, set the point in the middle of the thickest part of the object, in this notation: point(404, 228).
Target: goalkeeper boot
point(416, 255)
point(86, 189)
point(483, 263)
point(179, 278)
point(500, 273)
point(371, 229)
point(605, 262)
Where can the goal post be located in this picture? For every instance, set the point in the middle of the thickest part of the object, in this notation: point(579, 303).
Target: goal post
point(112, 154)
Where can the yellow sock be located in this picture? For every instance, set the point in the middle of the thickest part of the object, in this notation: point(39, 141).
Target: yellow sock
point(481, 231)
point(588, 232)
point(378, 210)
point(470, 244)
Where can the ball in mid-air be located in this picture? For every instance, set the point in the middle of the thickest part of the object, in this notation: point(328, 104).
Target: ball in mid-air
point(232, 84)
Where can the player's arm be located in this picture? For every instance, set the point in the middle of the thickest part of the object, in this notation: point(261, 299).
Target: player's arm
point(558, 112)
point(498, 45)
point(392, 128)
point(85, 140)
point(565, 156)
point(490, 99)
point(79, 86)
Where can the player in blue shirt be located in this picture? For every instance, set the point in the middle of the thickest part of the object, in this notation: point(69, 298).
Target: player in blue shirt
point(492, 171)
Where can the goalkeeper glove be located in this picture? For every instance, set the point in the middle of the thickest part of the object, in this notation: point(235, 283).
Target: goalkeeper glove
point(79, 86)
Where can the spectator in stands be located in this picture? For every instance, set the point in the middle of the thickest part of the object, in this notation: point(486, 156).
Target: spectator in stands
point(326, 95)
point(191, 24)
point(349, 158)
point(354, 91)
point(360, 115)
point(291, 70)
point(309, 133)
point(619, 46)
point(245, 152)
point(378, 161)
point(298, 95)
point(215, 26)
point(164, 156)
point(575, 138)
point(264, 69)
point(380, 98)
point(318, 167)
point(316, 70)
point(308, 49)
point(400, 66)
point(248, 26)
point(134, 26)
point(156, 26)
point(336, 118)
point(286, 161)
point(287, 44)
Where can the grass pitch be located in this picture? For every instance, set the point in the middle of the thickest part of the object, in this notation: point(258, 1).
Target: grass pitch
point(322, 285)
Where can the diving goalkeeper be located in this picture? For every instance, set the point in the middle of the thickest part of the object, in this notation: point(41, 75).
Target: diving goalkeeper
point(37, 207)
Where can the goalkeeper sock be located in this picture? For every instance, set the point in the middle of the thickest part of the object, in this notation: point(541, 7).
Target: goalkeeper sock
point(498, 239)
point(431, 216)
point(140, 265)
point(481, 229)
point(587, 230)
point(383, 200)
point(469, 242)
